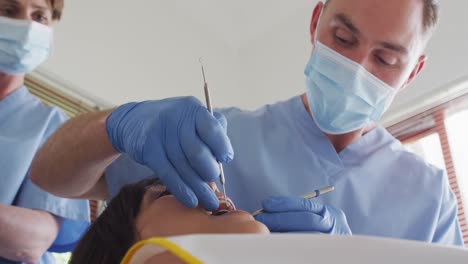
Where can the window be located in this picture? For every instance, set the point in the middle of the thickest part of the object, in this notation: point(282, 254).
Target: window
point(440, 136)
point(429, 148)
point(457, 128)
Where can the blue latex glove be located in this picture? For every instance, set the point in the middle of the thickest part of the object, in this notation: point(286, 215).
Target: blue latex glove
point(179, 140)
point(292, 214)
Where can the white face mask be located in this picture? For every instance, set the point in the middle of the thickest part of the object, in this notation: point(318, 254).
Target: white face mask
point(24, 45)
point(343, 96)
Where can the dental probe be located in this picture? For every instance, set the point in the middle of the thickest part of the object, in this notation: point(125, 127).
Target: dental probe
point(311, 195)
point(208, 105)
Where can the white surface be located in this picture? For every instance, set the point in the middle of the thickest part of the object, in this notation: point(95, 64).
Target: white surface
point(315, 249)
point(254, 51)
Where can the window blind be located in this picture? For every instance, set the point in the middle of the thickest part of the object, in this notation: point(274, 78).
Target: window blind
point(71, 105)
point(55, 97)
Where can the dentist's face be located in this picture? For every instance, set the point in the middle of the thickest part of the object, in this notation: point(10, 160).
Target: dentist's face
point(386, 37)
point(34, 10)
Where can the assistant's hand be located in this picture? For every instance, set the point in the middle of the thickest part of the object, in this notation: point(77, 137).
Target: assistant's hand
point(292, 214)
point(179, 140)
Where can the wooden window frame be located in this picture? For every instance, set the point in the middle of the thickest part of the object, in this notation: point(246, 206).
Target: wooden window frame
point(433, 121)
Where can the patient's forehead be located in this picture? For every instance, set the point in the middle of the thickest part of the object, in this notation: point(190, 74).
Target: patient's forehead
point(152, 193)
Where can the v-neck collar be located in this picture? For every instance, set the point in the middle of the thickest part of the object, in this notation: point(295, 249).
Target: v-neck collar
point(368, 144)
point(325, 149)
point(15, 98)
point(315, 139)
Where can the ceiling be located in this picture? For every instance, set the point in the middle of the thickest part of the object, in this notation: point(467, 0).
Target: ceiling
point(254, 51)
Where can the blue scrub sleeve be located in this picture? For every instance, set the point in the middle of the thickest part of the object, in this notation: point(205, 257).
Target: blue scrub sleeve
point(70, 233)
point(123, 171)
point(74, 214)
point(448, 229)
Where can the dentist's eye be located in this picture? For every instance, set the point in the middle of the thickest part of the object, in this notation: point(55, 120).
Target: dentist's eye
point(40, 18)
point(386, 59)
point(344, 37)
point(381, 61)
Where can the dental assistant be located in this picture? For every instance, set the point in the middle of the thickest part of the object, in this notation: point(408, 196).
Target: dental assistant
point(364, 53)
point(32, 221)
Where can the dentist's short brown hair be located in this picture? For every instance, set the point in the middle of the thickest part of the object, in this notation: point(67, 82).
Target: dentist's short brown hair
point(430, 16)
point(57, 8)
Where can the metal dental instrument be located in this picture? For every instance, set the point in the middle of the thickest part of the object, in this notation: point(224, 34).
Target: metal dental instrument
point(311, 195)
point(208, 105)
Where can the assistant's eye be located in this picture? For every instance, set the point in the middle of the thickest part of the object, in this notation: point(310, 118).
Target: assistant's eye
point(344, 37)
point(40, 17)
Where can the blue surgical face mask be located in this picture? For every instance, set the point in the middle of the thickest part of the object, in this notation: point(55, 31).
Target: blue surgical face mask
point(343, 96)
point(24, 45)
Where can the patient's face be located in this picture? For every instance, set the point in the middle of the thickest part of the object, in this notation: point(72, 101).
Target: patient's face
point(166, 216)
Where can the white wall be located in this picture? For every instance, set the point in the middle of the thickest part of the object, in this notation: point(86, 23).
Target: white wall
point(272, 64)
point(254, 51)
point(447, 63)
point(121, 56)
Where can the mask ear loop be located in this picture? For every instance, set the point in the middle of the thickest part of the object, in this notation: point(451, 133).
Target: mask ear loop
point(318, 23)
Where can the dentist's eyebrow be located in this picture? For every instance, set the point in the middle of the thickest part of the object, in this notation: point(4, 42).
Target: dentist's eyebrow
point(41, 6)
point(346, 21)
point(395, 47)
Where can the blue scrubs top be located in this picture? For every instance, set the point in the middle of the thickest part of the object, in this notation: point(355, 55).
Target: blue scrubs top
point(25, 124)
point(383, 189)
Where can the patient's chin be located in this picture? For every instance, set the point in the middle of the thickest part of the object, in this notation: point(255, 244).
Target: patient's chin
point(243, 223)
point(254, 228)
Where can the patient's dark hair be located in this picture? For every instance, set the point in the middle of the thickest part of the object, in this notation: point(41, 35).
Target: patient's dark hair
point(113, 233)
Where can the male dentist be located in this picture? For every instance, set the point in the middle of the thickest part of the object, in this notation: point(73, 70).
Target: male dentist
point(364, 52)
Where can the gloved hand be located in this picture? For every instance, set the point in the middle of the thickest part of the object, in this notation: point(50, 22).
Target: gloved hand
point(179, 140)
point(292, 214)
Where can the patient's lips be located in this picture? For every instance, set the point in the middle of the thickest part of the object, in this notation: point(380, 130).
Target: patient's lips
point(220, 212)
point(225, 205)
